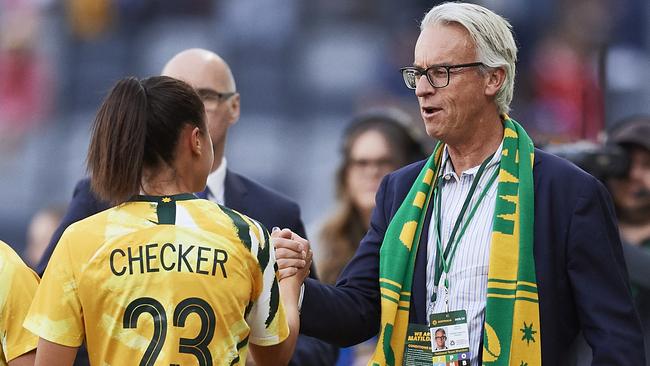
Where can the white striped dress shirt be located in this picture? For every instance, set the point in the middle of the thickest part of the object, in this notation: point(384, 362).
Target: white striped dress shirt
point(468, 273)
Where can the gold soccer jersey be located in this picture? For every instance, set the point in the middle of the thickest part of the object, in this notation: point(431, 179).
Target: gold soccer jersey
point(170, 280)
point(17, 287)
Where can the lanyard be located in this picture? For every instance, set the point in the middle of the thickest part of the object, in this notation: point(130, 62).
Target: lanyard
point(443, 262)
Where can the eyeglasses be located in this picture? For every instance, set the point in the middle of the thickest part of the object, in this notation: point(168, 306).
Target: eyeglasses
point(382, 164)
point(438, 75)
point(211, 98)
point(441, 337)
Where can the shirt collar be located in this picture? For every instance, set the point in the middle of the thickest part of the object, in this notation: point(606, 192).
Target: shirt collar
point(448, 169)
point(216, 183)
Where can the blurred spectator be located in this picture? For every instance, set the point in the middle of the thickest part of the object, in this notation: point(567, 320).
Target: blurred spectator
point(40, 230)
point(624, 165)
point(631, 194)
point(568, 98)
point(88, 19)
point(374, 144)
point(632, 200)
point(24, 77)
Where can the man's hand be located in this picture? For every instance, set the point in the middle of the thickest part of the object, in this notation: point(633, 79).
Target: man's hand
point(293, 254)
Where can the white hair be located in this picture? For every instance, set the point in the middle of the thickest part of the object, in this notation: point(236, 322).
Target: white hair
point(492, 36)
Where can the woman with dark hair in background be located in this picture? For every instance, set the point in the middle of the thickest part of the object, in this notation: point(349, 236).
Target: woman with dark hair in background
point(163, 277)
point(374, 145)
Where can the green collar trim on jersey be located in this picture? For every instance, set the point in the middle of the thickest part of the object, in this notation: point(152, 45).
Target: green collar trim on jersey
point(163, 199)
point(166, 207)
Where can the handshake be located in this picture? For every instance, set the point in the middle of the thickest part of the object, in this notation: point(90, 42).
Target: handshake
point(293, 256)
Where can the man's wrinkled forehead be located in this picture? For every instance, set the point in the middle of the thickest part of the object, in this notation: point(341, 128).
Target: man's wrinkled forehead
point(443, 43)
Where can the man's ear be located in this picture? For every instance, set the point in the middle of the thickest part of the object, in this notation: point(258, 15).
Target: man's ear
point(495, 78)
point(233, 109)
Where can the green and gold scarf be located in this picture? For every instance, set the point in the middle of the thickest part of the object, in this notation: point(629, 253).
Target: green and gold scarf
point(511, 333)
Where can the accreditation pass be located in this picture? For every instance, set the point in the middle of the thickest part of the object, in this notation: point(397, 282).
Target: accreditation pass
point(450, 338)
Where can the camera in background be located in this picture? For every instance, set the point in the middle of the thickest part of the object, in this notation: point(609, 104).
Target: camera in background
point(601, 161)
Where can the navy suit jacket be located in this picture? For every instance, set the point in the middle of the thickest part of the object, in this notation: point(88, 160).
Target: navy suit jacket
point(581, 275)
point(241, 194)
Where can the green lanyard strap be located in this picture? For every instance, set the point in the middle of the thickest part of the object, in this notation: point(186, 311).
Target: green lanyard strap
point(444, 262)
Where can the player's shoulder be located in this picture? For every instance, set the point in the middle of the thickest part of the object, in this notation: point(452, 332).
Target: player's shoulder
point(9, 259)
point(211, 212)
point(88, 234)
point(243, 223)
point(224, 222)
point(94, 223)
point(7, 252)
point(11, 265)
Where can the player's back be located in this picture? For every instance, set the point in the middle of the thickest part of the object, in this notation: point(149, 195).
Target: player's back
point(167, 281)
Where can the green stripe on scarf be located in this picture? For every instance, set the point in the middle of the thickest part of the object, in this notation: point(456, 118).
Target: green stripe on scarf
point(511, 335)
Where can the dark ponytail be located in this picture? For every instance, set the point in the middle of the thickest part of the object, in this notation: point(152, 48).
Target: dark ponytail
point(137, 126)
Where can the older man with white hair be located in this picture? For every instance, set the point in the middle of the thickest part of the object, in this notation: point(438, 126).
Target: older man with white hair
point(515, 248)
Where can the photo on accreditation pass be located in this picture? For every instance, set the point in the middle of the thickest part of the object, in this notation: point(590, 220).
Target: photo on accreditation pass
point(449, 339)
point(449, 333)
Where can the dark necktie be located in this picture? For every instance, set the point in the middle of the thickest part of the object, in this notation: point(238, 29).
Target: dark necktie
point(204, 194)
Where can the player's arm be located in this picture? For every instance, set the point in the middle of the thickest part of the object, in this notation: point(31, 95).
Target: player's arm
point(26, 359)
point(289, 288)
point(53, 354)
point(280, 354)
point(55, 314)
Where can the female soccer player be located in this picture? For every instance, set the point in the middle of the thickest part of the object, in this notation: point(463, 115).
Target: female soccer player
point(163, 278)
point(17, 287)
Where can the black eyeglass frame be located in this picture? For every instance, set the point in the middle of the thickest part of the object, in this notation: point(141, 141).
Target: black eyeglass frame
point(420, 71)
point(207, 94)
